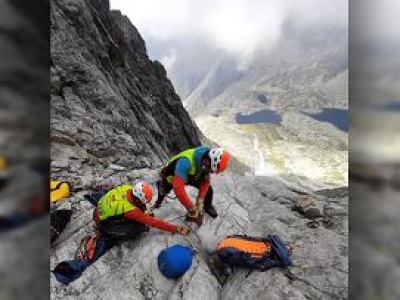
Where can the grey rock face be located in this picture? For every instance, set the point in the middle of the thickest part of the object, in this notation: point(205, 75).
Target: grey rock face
point(247, 205)
point(110, 104)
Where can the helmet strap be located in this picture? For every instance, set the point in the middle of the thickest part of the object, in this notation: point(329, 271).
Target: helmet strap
point(139, 204)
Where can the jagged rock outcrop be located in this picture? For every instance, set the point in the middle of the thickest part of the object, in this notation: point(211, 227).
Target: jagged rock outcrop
point(110, 104)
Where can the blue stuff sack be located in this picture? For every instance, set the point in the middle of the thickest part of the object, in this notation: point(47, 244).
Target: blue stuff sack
point(174, 261)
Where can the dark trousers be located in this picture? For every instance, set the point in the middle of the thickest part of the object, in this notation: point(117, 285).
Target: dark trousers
point(121, 229)
point(166, 187)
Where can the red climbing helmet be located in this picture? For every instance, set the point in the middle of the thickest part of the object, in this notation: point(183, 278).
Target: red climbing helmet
point(219, 159)
point(143, 191)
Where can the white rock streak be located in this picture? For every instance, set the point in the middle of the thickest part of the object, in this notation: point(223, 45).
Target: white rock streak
point(260, 168)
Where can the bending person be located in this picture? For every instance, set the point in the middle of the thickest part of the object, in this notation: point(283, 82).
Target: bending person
point(193, 167)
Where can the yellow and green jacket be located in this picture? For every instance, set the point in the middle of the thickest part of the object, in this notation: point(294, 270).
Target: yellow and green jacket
point(115, 202)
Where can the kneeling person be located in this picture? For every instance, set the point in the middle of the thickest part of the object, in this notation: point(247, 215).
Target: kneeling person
point(121, 213)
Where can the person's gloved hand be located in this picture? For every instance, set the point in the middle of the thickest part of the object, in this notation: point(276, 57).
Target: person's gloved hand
point(149, 212)
point(183, 230)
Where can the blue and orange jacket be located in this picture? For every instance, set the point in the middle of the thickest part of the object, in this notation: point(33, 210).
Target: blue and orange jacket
point(184, 166)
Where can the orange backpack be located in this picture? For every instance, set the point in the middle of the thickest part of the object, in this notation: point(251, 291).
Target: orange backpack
point(254, 252)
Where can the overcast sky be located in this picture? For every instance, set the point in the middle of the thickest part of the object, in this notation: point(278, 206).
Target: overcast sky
point(239, 27)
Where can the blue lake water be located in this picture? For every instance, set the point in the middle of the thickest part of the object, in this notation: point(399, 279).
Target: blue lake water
point(337, 117)
point(262, 116)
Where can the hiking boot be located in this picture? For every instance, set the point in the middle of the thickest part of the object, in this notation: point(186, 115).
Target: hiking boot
point(210, 210)
point(195, 217)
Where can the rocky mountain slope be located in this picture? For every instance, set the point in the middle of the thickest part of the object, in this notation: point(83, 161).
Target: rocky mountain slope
point(306, 70)
point(115, 119)
point(283, 87)
point(300, 148)
point(109, 103)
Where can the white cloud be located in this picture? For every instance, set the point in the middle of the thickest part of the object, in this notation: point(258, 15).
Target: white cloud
point(305, 12)
point(159, 18)
point(232, 25)
point(240, 27)
point(169, 60)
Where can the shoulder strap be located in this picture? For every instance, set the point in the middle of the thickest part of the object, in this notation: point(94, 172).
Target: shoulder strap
point(281, 250)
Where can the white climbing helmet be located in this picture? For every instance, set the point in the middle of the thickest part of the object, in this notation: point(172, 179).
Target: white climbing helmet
point(219, 159)
point(143, 191)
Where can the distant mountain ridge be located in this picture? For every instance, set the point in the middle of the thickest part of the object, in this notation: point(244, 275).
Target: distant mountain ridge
point(296, 88)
